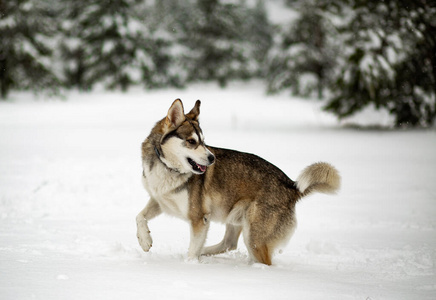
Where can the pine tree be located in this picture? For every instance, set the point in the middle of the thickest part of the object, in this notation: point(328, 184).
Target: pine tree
point(163, 23)
point(219, 48)
point(72, 29)
point(259, 32)
point(118, 43)
point(26, 28)
point(389, 60)
point(304, 57)
point(102, 44)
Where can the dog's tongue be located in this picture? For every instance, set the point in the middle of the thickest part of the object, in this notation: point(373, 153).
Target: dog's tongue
point(202, 168)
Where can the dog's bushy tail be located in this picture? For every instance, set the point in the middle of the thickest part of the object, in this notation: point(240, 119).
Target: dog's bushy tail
point(319, 177)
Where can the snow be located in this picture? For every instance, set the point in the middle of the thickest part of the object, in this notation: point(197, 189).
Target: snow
point(70, 190)
point(279, 13)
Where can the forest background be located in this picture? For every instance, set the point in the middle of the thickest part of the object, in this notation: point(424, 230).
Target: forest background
point(351, 53)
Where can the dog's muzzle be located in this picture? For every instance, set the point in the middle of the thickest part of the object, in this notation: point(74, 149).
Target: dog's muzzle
point(198, 168)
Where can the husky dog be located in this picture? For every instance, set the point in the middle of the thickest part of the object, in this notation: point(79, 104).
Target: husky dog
point(198, 183)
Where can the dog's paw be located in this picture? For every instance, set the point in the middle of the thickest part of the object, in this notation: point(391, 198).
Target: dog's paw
point(144, 239)
point(192, 260)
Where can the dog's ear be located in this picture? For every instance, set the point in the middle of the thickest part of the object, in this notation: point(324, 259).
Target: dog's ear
point(176, 114)
point(195, 111)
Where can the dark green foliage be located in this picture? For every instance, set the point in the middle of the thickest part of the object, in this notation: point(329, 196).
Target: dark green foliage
point(119, 43)
point(260, 34)
point(379, 53)
point(304, 57)
point(355, 53)
point(102, 44)
point(26, 29)
point(217, 38)
point(389, 61)
point(168, 43)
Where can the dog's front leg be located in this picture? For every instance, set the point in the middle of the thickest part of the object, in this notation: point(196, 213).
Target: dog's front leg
point(151, 210)
point(199, 230)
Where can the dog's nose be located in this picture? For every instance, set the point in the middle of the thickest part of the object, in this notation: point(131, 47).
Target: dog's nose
point(211, 159)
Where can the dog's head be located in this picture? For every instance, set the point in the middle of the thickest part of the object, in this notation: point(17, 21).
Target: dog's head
point(182, 142)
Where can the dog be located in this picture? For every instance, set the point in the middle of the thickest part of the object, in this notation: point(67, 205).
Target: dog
point(188, 179)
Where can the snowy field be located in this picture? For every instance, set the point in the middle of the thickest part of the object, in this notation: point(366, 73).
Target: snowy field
point(70, 190)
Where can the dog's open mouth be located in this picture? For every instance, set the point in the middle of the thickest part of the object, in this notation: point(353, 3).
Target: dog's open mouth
point(197, 167)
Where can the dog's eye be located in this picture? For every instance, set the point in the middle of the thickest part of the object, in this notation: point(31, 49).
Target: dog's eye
point(192, 141)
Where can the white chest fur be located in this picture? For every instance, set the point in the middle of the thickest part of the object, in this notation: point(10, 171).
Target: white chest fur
point(165, 187)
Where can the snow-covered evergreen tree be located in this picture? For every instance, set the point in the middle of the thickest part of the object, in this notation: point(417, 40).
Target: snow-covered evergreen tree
point(26, 28)
point(304, 55)
point(259, 32)
point(104, 43)
point(214, 40)
point(118, 43)
point(72, 46)
point(389, 60)
point(163, 24)
point(218, 45)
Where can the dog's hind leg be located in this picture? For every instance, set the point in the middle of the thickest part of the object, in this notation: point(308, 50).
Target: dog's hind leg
point(262, 253)
point(259, 250)
point(229, 242)
point(265, 229)
point(151, 210)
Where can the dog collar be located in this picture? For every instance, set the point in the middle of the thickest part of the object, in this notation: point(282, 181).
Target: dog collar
point(157, 152)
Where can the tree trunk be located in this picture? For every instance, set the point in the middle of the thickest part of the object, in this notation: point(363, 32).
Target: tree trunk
point(4, 89)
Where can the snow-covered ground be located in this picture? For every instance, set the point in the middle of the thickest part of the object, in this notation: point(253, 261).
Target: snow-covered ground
point(70, 190)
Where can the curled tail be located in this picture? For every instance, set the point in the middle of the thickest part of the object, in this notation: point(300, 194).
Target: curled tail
point(319, 177)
